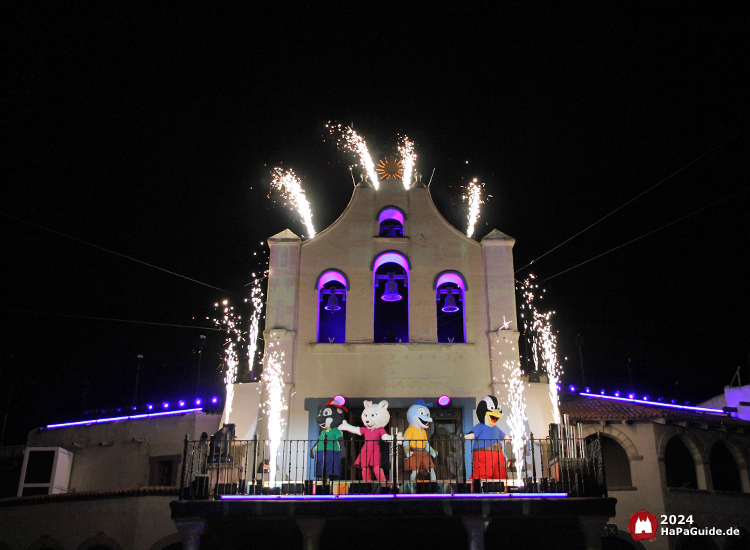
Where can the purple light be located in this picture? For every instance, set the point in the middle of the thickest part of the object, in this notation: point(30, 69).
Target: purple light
point(660, 399)
point(199, 401)
point(674, 401)
point(653, 403)
point(331, 275)
point(150, 407)
point(181, 403)
point(165, 405)
point(214, 400)
point(115, 419)
point(572, 388)
point(451, 277)
point(444, 400)
point(617, 393)
point(588, 390)
point(645, 397)
point(408, 496)
point(602, 392)
point(538, 495)
point(394, 257)
point(339, 400)
point(391, 214)
point(133, 408)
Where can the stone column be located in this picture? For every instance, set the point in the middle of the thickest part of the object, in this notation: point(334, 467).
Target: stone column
point(475, 528)
point(311, 529)
point(497, 257)
point(191, 531)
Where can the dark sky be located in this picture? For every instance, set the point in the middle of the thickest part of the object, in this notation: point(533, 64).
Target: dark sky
point(152, 133)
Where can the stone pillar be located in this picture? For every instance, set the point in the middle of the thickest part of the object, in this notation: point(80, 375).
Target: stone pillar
point(475, 528)
point(311, 529)
point(497, 257)
point(191, 531)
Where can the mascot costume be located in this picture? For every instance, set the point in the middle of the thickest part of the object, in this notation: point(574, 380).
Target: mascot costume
point(374, 418)
point(327, 449)
point(419, 454)
point(488, 460)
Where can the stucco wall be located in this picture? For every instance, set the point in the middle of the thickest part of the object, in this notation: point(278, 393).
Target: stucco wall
point(134, 523)
point(124, 463)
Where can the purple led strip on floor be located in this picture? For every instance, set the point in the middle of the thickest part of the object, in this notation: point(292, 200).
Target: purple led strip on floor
point(653, 403)
point(397, 496)
point(132, 417)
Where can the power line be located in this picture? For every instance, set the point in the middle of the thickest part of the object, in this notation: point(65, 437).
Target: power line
point(110, 319)
point(634, 198)
point(115, 253)
point(649, 233)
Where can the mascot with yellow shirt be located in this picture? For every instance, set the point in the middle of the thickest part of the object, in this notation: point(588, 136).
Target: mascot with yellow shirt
point(419, 454)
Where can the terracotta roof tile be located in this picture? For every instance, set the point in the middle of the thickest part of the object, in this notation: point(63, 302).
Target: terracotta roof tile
point(91, 495)
point(582, 408)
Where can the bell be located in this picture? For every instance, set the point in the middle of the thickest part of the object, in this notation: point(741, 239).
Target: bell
point(391, 291)
point(391, 232)
point(450, 303)
point(333, 303)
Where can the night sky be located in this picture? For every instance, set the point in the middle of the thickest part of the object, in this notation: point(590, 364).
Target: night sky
point(153, 133)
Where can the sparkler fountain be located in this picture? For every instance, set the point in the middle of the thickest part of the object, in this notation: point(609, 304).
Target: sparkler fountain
point(408, 159)
point(474, 197)
point(516, 403)
point(351, 141)
point(290, 187)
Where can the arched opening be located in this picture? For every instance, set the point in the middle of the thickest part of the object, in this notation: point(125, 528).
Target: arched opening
point(332, 286)
point(679, 465)
point(391, 222)
point(616, 464)
point(450, 304)
point(391, 298)
point(724, 471)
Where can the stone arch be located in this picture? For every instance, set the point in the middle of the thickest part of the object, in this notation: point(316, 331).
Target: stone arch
point(169, 540)
point(100, 539)
point(696, 451)
point(46, 542)
point(618, 436)
point(739, 458)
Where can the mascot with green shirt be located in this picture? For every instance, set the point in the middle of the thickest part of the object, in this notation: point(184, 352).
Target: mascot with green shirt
point(327, 450)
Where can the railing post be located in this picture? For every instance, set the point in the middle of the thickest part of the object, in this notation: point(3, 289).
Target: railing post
point(184, 467)
point(394, 460)
point(533, 459)
point(601, 463)
point(255, 460)
point(325, 456)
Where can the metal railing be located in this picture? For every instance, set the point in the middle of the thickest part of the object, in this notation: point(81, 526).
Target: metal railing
point(224, 466)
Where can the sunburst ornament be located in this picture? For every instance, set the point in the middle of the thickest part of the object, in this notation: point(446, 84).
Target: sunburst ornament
point(388, 169)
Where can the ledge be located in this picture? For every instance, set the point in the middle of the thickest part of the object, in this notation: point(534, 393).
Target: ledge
point(394, 240)
point(629, 488)
point(687, 490)
point(148, 491)
point(370, 347)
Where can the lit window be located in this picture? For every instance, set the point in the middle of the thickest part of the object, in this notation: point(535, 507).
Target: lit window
point(450, 289)
point(332, 286)
point(391, 222)
point(391, 298)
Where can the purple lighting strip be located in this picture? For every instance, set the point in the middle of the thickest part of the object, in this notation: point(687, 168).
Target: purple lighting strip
point(397, 496)
point(133, 417)
point(654, 403)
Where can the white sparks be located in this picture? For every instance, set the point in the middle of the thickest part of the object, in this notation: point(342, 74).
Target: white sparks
point(273, 379)
point(408, 159)
point(543, 345)
point(516, 404)
point(229, 322)
point(352, 141)
point(256, 298)
point(474, 197)
point(290, 187)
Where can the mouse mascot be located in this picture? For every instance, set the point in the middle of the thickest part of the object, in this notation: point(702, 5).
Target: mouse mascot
point(419, 454)
point(374, 418)
point(488, 460)
point(327, 449)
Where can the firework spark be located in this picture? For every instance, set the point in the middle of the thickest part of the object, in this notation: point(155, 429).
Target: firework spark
point(516, 404)
point(256, 300)
point(543, 343)
point(408, 158)
point(351, 141)
point(290, 187)
point(230, 323)
point(474, 197)
point(273, 380)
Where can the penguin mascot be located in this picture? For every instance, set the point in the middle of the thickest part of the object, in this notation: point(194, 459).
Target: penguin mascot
point(488, 460)
point(327, 450)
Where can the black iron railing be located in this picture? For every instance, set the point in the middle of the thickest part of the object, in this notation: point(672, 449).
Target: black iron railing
point(224, 466)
